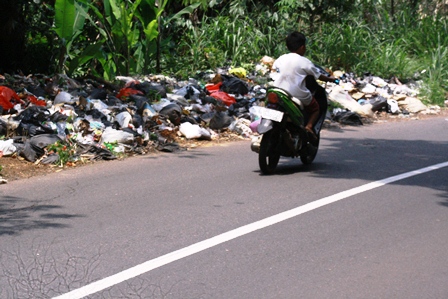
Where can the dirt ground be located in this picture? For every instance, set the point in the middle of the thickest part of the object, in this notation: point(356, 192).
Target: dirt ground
point(16, 168)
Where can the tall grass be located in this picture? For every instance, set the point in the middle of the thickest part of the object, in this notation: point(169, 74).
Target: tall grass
point(388, 59)
point(435, 88)
point(224, 41)
point(341, 47)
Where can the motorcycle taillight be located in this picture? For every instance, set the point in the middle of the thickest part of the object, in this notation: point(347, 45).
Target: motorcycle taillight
point(272, 98)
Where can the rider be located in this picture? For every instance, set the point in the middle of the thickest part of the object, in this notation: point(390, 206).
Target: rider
point(292, 70)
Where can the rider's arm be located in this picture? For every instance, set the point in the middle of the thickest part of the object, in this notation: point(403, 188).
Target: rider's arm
point(326, 78)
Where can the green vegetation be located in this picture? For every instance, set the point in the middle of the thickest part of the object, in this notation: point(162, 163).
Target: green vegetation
point(407, 39)
point(65, 151)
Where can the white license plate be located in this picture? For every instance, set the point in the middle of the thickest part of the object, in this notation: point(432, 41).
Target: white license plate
point(271, 114)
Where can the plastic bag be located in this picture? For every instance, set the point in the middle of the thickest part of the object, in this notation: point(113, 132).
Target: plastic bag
point(189, 92)
point(3, 127)
point(173, 112)
point(255, 113)
point(254, 125)
point(220, 120)
point(151, 89)
point(342, 97)
point(412, 105)
point(160, 104)
point(348, 118)
point(191, 131)
point(36, 101)
point(213, 87)
point(33, 148)
point(64, 97)
point(8, 98)
point(148, 112)
point(34, 120)
point(124, 119)
point(242, 127)
point(392, 106)
point(224, 97)
point(111, 135)
point(61, 127)
point(378, 103)
point(98, 104)
point(7, 147)
point(234, 85)
point(239, 72)
point(125, 92)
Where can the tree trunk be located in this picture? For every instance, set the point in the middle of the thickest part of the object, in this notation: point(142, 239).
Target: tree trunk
point(158, 41)
point(12, 36)
point(392, 10)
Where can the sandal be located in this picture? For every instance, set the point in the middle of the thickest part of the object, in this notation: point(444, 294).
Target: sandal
point(311, 135)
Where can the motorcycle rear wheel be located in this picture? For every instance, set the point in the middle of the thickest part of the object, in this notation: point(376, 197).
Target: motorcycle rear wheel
point(268, 157)
point(310, 154)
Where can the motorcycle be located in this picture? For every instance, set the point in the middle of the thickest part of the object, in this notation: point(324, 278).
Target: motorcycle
point(282, 127)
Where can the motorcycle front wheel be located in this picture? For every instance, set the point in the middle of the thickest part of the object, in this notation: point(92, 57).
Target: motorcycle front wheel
point(311, 152)
point(268, 156)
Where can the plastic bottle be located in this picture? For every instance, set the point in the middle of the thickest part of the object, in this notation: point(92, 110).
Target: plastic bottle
point(148, 111)
point(61, 125)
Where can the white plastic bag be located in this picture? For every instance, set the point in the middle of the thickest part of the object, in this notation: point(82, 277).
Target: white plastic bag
point(255, 113)
point(64, 97)
point(98, 104)
point(342, 97)
point(393, 106)
point(242, 127)
point(191, 131)
point(124, 119)
point(111, 135)
point(7, 148)
point(160, 104)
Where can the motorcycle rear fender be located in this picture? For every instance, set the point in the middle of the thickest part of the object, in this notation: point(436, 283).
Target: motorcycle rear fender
point(265, 125)
point(289, 105)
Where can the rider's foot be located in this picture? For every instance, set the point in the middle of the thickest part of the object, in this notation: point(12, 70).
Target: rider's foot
point(311, 135)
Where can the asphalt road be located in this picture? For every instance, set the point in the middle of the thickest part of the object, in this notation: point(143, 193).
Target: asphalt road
point(206, 224)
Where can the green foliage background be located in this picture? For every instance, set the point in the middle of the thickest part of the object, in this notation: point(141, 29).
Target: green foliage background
point(403, 38)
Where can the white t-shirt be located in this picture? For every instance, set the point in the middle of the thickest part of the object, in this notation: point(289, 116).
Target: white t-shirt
point(292, 70)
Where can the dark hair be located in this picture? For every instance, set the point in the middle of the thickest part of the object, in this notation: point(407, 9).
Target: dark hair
point(295, 40)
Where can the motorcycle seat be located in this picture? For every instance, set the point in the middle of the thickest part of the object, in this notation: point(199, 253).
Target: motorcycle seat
point(297, 101)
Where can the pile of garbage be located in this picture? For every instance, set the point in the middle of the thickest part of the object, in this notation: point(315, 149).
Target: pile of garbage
point(369, 96)
point(59, 120)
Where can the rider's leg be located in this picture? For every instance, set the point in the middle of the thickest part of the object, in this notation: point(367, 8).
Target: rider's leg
point(313, 114)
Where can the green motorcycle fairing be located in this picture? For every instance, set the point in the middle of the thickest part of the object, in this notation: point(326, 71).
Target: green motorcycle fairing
point(290, 107)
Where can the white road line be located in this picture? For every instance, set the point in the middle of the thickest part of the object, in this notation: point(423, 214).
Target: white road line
point(233, 234)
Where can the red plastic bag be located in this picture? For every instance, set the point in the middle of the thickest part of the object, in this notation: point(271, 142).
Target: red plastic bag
point(128, 90)
point(214, 87)
point(36, 101)
point(8, 98)
point(124, 93)
point(224, 97)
